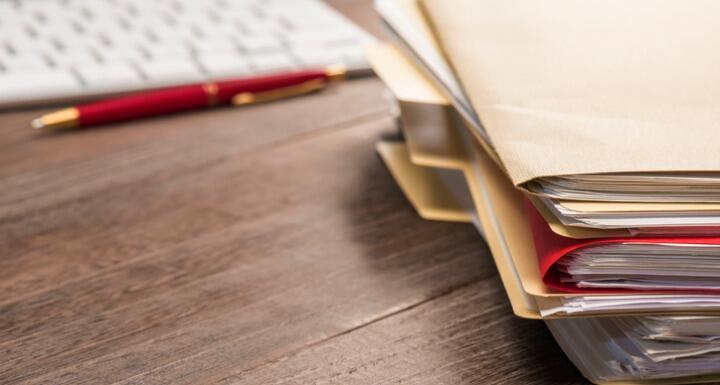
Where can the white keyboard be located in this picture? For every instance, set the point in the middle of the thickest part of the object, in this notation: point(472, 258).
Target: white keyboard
point(62, 50)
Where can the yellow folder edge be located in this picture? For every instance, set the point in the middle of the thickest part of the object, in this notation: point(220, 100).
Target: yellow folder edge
point(421, 185)
point(408, 175)
point(650, 206)
point(572, 231)
point(428, 145)
point(412, 88)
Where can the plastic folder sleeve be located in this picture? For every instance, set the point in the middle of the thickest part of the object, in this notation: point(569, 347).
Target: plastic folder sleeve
point(551, 247)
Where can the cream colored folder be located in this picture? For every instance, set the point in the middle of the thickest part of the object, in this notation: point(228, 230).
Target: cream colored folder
point(565, 87)
point(398, 158)
point(409, 12)
point(424, 108)
point(415, 93)
point(421, 185)
point(498, 203)
point(456, 157)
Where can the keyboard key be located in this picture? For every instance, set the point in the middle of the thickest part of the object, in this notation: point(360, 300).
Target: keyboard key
point(122, 54)
point(222, 31)
point(63, 32)
point(78, 47)
point(263, 27)
point(215, 45)
point(354, 57)
point(110, 77)
point(321, 36)
point(166, 72)
point(274, 61)
point(22, 43)
point(236, 8)
point(225, 65)
point(24, 62)
point(253, 44)
point(74, 59)
point(42, 85)
point(317, 55)
point(170, 51)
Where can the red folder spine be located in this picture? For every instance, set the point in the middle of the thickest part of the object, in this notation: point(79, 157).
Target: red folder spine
point(551, 247)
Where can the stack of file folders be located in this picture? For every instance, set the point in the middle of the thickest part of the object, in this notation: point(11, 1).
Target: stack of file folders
point(579, 138)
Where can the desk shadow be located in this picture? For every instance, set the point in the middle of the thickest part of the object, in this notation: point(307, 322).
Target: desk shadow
point(449, 261)
point(540, 352)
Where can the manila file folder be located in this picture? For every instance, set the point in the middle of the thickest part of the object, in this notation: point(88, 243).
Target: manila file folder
point(426, 111)
point(565, 87)
point(499, 205)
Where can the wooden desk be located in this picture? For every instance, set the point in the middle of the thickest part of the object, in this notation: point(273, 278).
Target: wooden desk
point(264, 245)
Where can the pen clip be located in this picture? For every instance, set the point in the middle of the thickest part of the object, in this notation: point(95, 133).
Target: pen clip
point(307, 87)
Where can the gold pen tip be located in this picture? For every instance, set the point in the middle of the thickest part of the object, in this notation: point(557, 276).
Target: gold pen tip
point(65, 118)
point(336, 72)
point(37, 123)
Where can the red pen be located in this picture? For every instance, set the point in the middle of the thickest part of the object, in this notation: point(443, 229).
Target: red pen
point(194, 96)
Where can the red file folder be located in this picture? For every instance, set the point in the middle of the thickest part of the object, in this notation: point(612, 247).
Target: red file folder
point(551, 248)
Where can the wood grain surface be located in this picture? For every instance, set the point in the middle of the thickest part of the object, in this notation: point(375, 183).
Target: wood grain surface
point(263, 245)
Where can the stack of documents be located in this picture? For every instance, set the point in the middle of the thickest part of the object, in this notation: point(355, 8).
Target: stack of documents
point(643, 266)
point(575, 136)
point(683, 347)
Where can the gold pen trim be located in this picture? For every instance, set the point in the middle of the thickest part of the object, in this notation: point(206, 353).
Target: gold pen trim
point(211, 91)
point(280, 93)
point(336, 73)
point(65, 118)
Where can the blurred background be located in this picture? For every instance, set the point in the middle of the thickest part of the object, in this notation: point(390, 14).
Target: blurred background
point(69, 50)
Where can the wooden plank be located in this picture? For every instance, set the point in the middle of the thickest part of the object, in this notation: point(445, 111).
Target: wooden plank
point(468, 336)
point(348, 249)
point(71, 219)
point(95, 158)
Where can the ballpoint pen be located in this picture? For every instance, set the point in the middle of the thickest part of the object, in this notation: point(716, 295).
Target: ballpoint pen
point(194, 96)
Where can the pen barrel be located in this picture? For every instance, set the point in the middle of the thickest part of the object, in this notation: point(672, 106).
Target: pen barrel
point(160, 102)
point(183, 98)
point(229, 88)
